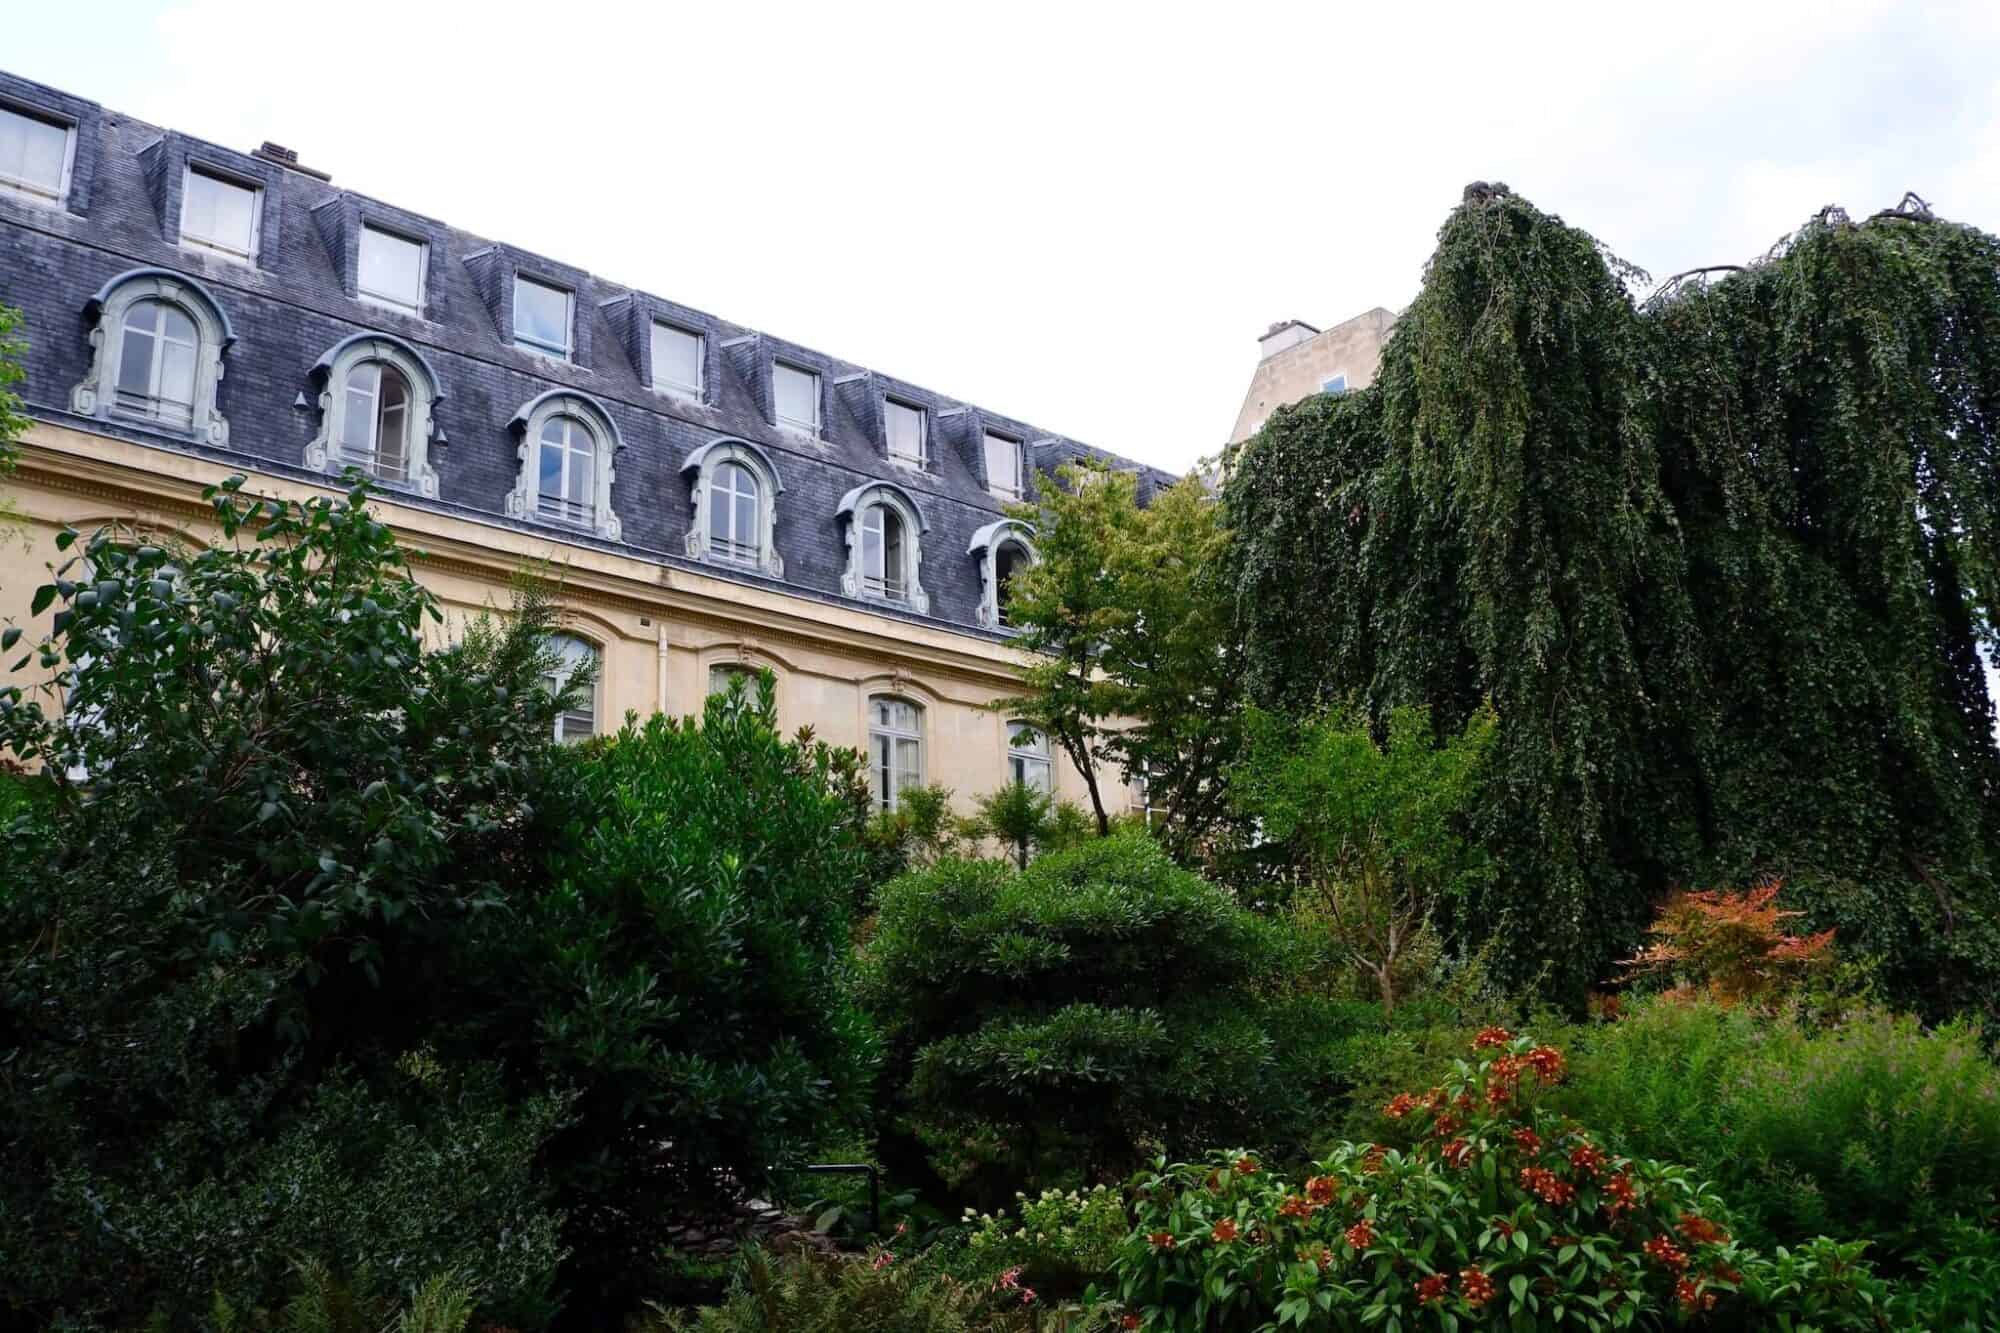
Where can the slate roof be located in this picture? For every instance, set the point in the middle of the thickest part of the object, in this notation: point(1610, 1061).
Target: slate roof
point(298, 302)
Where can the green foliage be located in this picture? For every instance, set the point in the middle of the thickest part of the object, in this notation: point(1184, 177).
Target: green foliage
point(685, 969)
point(874, 1293)
point(1134, 661)
point(1375, 832)
point(13, 422)
point(1058, 1244)
point(1723, 565)
point(1874, 1130)
point(1018, 817)
point(1043, 1024)
point(321, 1302)
point(920, 831)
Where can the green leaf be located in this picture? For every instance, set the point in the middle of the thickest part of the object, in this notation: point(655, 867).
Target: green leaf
point(43, 596)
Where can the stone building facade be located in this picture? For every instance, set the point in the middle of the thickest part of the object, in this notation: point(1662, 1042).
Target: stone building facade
point(1296, 360)
point(710, 496)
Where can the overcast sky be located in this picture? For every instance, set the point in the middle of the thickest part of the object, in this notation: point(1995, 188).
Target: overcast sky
point(1078, 214)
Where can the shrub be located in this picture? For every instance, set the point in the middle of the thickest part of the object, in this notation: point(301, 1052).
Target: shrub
point(686, 971)
point(1060, 1243)
point(1734, 946)
point(1043, 1024)
point(872, 1293)
point(1875, 1129)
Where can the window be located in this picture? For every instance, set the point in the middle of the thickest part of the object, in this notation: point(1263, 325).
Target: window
point(895, 748)
point(568, 449)
point(579, 720)
point(677, 360)
point(733, 530)
point(1333, 384)
point(542, 318)
point(156, 343)
point(566, 470)
point(1008, 560)
point(158, 347)
point(219, 215)
point(725, 676)
point(1003, 466)
point(795, 397)
point(882, 553)
point(904, 426)
point(35, 154)
point(375, 427)
point(1003, 550)
point(1028, 757)
point(392, 270)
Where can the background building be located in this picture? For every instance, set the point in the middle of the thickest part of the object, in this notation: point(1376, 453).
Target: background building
point(711, 497)
point(1296, 360)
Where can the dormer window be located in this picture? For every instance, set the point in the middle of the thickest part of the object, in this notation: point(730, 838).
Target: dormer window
point(567, 470)
point(677, 360)
point(1003, 466)
point(884, 545)
point(882, 551)
point(1003, 549)
point(392, 270)
point(568, 447)
point(795, 397)
point(906, 429)
point(735, 491)
point(158, 348)
point(35, 155)
point(220, 215)
point(543, 318)
point(156, 343)
point(376, 401)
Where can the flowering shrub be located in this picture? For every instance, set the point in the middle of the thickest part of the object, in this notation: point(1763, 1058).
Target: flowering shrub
point(1503, 1214)
point(1058, 1244)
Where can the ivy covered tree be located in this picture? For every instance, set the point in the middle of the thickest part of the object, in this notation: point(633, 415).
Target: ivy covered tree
point(1724, 562)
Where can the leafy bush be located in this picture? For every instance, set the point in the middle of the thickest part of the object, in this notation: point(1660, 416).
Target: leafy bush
point(1875, 1129)
point(1044, 1024)
point(873, 1293)
point(1059, 1244)
point(1734, 946)
point(686, 970)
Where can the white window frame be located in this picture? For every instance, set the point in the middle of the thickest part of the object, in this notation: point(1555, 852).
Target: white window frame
point(856, 507)
point(384, 299)
point(323, 452)
point(1019, 450)
point(812, 427)
point(985, 547)
point(888, 781)
point(1023, 760)
point(1326, 383)
point(28, 189)
point(524, 501)
point(923, 418)
point(567, 352)
point(663, 385)
point(208, 244)
point(565, 668)
point(704, 463)
point(96, 394)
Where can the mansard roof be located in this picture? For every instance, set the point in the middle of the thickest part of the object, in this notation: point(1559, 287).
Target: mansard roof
point(299, 297)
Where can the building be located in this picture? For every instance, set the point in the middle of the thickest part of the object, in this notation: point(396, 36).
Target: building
point(713, 497)
point(1296, 360)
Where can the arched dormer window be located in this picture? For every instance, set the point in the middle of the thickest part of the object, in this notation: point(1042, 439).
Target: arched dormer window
point(884, 545)
point(1003, 550)
point(567, 449)
point(156, 344)
point(376, 400)
point(735, 490)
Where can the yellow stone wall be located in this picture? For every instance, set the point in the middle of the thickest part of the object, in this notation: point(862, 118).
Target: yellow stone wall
point(658, 630)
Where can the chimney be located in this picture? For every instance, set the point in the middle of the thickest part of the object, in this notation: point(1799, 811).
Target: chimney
point(288, 158)
point(1283, 335)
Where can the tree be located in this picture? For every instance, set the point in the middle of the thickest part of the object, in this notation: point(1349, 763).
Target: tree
point(1377, 833)
point(1019, 817)
point(1134, 658)
point(1725, 565)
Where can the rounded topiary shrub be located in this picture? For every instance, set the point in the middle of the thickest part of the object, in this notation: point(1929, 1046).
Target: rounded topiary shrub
point(1063, 1022)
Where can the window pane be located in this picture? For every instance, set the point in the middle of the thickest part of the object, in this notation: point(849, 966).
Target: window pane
point(676, 358)
point(32, 152)
point(357, 427)
point(541, 317)
point(892, 554)
point(905, 425)
point(392, 269)
point(219, 213)
point(392, 432)
point(795, 395)
point(135, 356)
point(552, 459)
point(1003, 464)
point(579, 721)
point(908, 763)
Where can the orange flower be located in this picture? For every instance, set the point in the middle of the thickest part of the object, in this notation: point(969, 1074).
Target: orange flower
point(1488, 1037)
point(1693, 1297)
point(1399, 1106)
point(1547, 1062)
point(1446, 1126)
point(1458, 1153)
point(1619, 1196)
point(1321, 1190)
point(1161, 1240)
point(1361, 1235)
point(1246, 1166)
point(1701, 1231)
point(1129, 1321)
point(1546, 1185)
point(1433, 1289)
point(1223, 1231)
point(1371, 1161)
point(1665, 1253)
point(1588, 1158)
point(1475, 1286)
point(1294, 1206)
point(1530, 1141)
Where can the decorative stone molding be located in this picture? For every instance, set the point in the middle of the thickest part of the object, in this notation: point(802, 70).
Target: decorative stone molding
point(702, 464)
point(106, 311)
point(985, 547)
point(330, 372)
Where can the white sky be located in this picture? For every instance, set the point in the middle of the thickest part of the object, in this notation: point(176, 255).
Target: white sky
point(1078, 214)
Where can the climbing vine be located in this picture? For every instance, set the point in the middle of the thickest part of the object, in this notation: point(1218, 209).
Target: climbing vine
point(1724, 561)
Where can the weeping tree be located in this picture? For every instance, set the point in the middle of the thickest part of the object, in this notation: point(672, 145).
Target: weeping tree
point(1724, 561)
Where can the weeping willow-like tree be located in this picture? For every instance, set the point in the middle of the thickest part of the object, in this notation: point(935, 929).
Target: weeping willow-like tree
point(1725, 562)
